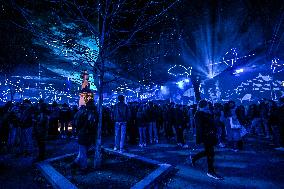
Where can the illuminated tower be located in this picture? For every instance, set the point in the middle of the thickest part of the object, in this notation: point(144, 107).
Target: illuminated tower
point(85, 94)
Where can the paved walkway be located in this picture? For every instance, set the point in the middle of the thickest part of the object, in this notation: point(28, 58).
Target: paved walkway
point(257, 166)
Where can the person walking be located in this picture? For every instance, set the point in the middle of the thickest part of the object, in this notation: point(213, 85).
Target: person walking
point(206, 134)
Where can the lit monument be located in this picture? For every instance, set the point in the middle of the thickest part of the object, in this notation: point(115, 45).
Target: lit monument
point(86, 93)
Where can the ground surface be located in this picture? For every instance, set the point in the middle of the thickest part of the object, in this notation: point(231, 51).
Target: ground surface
point(116, 172)
point(257, 166)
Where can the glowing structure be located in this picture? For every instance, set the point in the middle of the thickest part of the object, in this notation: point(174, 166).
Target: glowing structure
point(182, 83)
point(86, 93)
point(231, 60)
point(276, 66)
point(233, 51)
point(238, 71)
point(187, 71)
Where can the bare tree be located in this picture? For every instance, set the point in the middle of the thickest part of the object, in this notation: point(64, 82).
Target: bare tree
point(91, 33)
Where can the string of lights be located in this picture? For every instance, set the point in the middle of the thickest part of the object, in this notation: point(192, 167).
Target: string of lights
point(187, 71)
point(232, 60)
point(18, 90)
point(275, 64)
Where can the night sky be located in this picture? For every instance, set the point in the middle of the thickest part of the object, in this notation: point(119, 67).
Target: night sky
point(47, 41)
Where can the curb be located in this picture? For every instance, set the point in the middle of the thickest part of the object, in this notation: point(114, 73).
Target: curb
point(154, 177)
point(58, 181)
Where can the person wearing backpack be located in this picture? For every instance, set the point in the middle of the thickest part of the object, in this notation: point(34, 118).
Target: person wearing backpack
point(121, 116)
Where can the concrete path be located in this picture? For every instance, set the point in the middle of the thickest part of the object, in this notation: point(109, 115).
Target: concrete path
point(257, 166)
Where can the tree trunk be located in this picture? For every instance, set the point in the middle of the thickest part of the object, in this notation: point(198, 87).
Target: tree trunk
point(196, 83)
point(98, 154)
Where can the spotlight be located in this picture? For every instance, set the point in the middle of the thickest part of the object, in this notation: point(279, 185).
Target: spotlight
point(238, 71)
point(164, 90)
point(180, 84)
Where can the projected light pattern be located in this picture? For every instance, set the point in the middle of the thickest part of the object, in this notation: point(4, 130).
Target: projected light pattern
point(227, 61)
point(86, 47)
point(238, 71)
point(184, 71)
point(276, 65)
point(72, 48)
point(142, 93)
point(261, 86)
point(232, 60)
point(182, 83)
point(234, 53)
point(18, 90)
point(164, 90)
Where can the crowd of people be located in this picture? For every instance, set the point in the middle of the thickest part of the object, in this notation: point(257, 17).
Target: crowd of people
point(151, 121)
point(25, 125)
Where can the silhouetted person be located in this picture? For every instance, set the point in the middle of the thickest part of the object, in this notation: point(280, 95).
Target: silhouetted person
point(121, 116)
point(41, 130)
point(281, 123)
point(152, 122)
point(65, 117)
point(53, 120)
point(141, 123)
point(87, 126)
point(27, 128)
point(206, 134)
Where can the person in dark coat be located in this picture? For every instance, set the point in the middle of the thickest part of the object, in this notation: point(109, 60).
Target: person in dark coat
point(179, 125)
point(141, 123)
point(169, 121)
point(53, 120)
point(41, 130)
point(132, 128)
point(206, 135)
point(87, 127)
point(27, 123)
point(121, 116)
point(280, 123)
point(65, 118)
point(273, 121)
point(152, 122)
